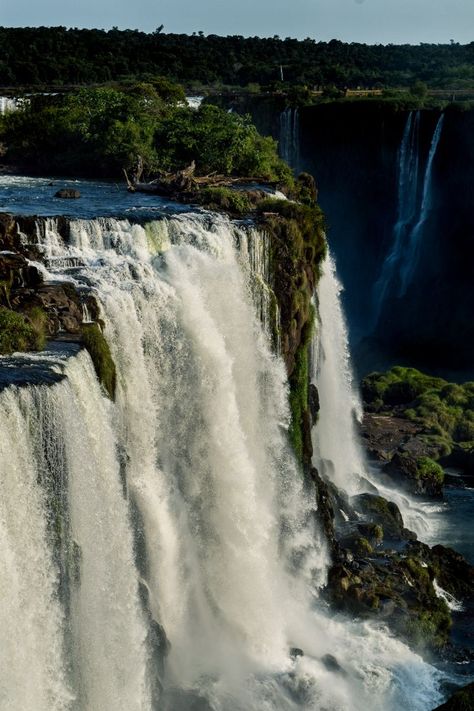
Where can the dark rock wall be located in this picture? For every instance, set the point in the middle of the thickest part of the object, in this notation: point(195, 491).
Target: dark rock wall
point(352, 150)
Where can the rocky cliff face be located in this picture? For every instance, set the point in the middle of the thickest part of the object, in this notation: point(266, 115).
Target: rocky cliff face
point(353, 150)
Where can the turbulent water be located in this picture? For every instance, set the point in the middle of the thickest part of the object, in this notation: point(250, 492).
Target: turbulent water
point(339, 453)
point(161, 552)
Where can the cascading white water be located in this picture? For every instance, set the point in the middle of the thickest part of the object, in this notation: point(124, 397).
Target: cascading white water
point(230, 552)
point(289, 143)
point(32, 675)
point(408, 168)
point(336, 440)
point(60, 466)
point(412, 255)
point(7, 104)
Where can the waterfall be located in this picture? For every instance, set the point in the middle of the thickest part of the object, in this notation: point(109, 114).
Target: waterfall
point(289, 142)
point(336, 445)
point(63, 500)
point(185, 488)
point(408, 169)
point(8, 104)
point(412, 255)
point(400, 264)
point(336, 440)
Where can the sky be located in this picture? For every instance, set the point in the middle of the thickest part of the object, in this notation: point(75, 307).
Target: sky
point(371, 21)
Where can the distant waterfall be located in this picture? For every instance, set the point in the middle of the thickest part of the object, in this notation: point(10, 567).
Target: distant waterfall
point(401, 262)
point(179, 505)
point(289, 142)
point(412, 255)
point(408, 169)
point(8, 104)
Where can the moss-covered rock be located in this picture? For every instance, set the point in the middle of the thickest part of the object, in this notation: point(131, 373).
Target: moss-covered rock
point(298, 246)
point(420, 475)
point(95, 342)
point(19, 333)
point(397, 589)
point(434, 419)
point(383, 513)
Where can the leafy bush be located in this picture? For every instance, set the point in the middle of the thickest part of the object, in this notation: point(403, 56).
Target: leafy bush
point(443, 410)
point(428, 469)
point(218, 141)
point(100, 131)
point(18, 333)
point(222, 198)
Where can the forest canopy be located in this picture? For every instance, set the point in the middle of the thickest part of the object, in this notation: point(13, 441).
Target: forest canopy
point(58, 56)
point(100, 131)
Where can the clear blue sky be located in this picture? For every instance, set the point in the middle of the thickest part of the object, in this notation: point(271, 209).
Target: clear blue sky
point(369, 21)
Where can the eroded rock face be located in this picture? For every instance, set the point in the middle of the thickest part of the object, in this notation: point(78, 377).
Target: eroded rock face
point(383, 435)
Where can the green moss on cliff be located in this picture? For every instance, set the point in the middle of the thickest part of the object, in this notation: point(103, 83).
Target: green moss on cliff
point(299, 396)
point(429, 470)
point(444, 411)
point(222, 198)
point(298, 247)
point(94, 341)
point(21, 333)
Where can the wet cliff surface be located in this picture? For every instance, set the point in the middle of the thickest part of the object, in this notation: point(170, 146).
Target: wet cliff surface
point(354, 150)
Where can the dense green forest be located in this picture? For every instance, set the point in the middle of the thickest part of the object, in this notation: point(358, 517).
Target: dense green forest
point(58, 56)
point(98, 131)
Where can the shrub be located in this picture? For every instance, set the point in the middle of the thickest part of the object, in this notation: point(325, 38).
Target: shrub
point(18, 333)
point(429, 470)
point(222, 198)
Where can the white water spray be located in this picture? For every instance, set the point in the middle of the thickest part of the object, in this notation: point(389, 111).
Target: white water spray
point(336, 439)
point(231, 554)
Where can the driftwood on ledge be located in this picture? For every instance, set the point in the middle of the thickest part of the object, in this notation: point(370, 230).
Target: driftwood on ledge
point(182, 181)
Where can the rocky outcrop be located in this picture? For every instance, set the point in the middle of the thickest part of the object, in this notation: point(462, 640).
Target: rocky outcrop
point(298, 245)
point(461, 700)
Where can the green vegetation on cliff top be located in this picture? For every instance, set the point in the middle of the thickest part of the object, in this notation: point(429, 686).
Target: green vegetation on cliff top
point(146, 126)
point(22, 333)
point(444, 411)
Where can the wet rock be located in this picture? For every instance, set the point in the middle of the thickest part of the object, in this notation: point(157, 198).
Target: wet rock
point(383, 435)
point(331, 664)
point(379, 511)
point(314, 402)
point(461, 700)
point(296, 652)
point(416, 474)
point(68, 194)
point(397, 589)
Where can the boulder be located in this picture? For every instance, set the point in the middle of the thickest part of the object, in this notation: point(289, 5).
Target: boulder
point(386, 514)
point(384, 434)
point(68, 194)
point(417, 475)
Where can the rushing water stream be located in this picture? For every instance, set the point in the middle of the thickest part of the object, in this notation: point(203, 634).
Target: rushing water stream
point(161, 551)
